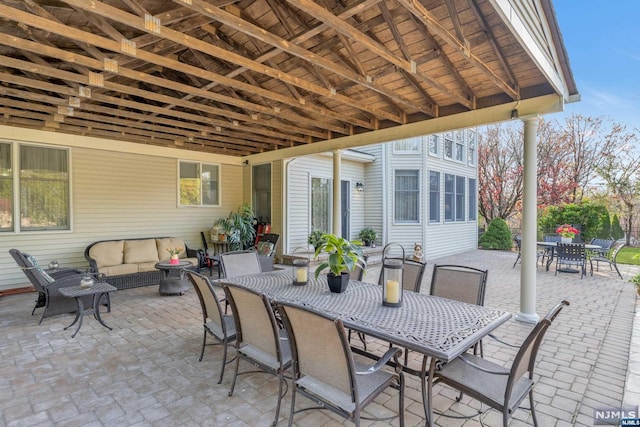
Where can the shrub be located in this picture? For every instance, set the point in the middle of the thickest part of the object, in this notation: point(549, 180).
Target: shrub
point(616, 229)
point(497, 236)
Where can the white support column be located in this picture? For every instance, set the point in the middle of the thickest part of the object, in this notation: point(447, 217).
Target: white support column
point(337, 217)
point(529, 219)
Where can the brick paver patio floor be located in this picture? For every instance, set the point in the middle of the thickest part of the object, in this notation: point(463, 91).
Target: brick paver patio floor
point(146, 371)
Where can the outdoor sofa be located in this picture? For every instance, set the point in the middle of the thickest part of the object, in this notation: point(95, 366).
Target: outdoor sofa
point(129, 263)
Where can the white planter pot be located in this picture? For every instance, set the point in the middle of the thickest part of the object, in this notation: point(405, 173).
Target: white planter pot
point(566, 239)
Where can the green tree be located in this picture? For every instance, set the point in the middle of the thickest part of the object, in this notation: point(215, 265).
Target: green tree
point(616, 230)
point(587, 216)
point(605, 223)
point(497, 236)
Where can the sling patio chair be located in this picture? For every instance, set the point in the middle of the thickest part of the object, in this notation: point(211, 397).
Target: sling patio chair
point(239, 263)
point(608, 258)
point(259, 340)
point(499, 387)
point(216, 323)
point(571, 254)
point(324, 369)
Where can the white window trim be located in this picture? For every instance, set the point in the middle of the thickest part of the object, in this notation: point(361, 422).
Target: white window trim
point(180, 205)
point(393, 196)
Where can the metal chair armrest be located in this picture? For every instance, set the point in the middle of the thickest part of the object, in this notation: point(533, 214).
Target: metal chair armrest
point(500, 340)
point(392, 352)
point(480, 368)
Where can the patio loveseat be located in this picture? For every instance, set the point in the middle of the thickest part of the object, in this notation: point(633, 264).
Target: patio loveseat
point(129, 263)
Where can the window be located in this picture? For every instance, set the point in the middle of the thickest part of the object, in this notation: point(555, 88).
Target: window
point(449, 197)
point(471, 146)
point(407, 196)
point(459, 147)
point(454, 198)
point(407, 146)
point(44, 188)
point(473, 204)
point(262, 192)
point(6, 188)
point(199, 184)
point(448, 145)
point(434, 145)
point(460, 198)
point(434, 196)
point(321, 204)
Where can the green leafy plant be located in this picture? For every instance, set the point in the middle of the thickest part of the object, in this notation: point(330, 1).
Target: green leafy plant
point(343, 254)
point(367, 235)
point(497, 236)
point(316, 239)
point(239, 227)
point(636, 281)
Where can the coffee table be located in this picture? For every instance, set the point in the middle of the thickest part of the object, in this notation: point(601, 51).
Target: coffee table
point(173, 285)
point(96, 291)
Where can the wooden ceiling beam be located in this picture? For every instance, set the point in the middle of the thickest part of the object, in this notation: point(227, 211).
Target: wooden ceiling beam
point(434, 25)
point(38, 22)
point(186, 40)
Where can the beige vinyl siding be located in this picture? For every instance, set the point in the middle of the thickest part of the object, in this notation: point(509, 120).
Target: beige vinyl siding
point(300, 172)
point(119, 195)
point(375, 192)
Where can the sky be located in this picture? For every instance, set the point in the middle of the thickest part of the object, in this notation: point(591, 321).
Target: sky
point(602, 39)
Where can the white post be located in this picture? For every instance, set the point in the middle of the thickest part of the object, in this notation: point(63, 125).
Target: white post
point(529, 220)
point(337, 217)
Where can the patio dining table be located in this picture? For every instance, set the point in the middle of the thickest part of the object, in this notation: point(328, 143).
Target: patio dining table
point(552, 247)
point(438, 328)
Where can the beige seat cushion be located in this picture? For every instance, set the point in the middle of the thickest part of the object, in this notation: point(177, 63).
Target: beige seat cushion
point(137, 251)
point(118, 270)
point(107, 253)
point(147, 266)
point(170, 243)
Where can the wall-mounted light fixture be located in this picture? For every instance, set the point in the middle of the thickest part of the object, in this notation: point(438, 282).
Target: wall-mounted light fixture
point(359, 187)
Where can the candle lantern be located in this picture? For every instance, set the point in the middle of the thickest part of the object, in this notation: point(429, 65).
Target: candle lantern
point(392, 272)
point(300, 266)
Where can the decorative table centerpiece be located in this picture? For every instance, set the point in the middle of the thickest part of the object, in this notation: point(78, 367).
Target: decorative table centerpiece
point(567, 233)
point(344, 256)
point(174, 252)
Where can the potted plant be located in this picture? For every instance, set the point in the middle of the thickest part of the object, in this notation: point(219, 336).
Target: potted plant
point(367, 235)
point(344, 256)
point(567, 232)
point(316, 239)
point(238, 227)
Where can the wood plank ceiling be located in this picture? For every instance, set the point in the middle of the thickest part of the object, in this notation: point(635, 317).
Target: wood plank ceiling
point(249, 76)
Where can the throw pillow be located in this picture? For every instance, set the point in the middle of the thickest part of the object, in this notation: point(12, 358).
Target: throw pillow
point(35, 264)
point(265, 248)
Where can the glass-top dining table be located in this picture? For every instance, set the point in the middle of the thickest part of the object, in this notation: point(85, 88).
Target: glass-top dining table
point(438, 328)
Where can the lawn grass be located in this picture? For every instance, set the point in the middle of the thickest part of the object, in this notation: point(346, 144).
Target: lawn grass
point(629, 255)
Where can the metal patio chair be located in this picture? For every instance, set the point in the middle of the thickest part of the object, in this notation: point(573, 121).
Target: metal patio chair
point(608, 258)
point(240, 263)
point(259, 340)
point(571, 254)
point(493, 384)
point(325, 371)
point(216, 323)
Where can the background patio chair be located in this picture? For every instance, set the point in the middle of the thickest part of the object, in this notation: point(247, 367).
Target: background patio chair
point(494, 385)
point(239, 263)
point(259, 341)
point(266, 246)
point(412, 274)
point(325, 371)
point(217, 324)
point(460, 283)
point(208, 260)
point(604, 249)
point(571, 254)
point(608, 257)
point(47, 284)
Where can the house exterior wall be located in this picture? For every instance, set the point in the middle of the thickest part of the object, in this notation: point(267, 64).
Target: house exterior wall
point(299, 173)
point(120, 195)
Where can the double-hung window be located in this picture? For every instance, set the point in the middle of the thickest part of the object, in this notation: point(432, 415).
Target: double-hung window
point(434, 196)
point(448, 145)
point(407, 196)
point(43, 198)
point(459, 147)
point(473, 201)
point(434, 145)
point(471, 146)
point(460, 198)
point(199, 184)
point(454, 198)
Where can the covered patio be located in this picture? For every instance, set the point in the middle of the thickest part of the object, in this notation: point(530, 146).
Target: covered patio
point(146, 371)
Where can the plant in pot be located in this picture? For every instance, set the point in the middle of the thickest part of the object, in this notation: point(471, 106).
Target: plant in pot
point(367, 235)
point(316, 239)
point(344, 256)
point(238, 227)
